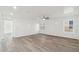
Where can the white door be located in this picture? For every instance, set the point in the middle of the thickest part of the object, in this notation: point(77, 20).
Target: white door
point(8, 29)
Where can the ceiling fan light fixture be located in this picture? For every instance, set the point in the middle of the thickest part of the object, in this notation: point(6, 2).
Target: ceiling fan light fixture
point(45, 18)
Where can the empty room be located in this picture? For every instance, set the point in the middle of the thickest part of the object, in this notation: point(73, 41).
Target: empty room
point(39, 29)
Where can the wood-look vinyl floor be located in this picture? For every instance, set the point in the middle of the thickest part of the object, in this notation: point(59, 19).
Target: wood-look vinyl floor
point(42, 43)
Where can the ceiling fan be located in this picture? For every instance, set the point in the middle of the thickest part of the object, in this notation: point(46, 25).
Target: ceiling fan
point(45, 18)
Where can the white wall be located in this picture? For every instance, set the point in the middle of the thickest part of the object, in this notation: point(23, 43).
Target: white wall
point(0, 28)
point(54, 26)
point(78, 27)
point(23, 22)
point(24, 27)
point(27, 19)
point(27, 24)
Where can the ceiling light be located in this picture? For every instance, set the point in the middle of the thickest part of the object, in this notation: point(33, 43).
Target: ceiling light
point(43, 19)
point(14, 7)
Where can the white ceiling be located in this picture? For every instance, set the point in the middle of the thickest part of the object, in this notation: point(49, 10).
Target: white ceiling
point(37, 11)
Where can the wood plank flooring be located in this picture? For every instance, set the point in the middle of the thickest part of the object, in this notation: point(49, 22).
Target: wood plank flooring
point(42, 43)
